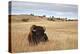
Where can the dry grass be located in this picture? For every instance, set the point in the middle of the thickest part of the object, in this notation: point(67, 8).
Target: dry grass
point(62, 36)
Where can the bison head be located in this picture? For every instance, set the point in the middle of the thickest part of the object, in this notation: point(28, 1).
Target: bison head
point(37, 30)
point(37, 34)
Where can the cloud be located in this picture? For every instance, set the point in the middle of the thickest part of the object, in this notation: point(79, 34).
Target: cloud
point(45, 8)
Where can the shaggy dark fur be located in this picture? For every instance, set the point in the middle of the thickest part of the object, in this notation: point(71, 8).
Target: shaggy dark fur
point(37, 34)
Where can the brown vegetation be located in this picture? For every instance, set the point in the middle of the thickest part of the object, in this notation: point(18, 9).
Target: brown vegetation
point(62, 34)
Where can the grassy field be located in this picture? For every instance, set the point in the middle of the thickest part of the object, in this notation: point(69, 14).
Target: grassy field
point(62, 35)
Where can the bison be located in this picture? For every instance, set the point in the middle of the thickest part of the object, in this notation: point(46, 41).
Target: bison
point(37, 34)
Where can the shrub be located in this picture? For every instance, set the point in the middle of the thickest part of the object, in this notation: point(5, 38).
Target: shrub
point(25, 20)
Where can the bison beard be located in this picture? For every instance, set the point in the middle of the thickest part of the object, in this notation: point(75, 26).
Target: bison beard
point(37, 35)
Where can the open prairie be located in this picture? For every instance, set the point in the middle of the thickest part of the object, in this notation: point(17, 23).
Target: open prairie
point(62, 35)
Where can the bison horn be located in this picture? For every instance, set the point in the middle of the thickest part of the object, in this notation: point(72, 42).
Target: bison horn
point(33, 26)
point(44, 27)
point(34, 30)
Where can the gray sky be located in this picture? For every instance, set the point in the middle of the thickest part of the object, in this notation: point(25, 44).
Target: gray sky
point(48, 9)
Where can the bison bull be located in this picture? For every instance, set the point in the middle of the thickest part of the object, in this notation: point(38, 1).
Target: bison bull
point(37, 34)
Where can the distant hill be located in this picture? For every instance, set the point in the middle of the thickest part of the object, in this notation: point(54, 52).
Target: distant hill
point(27, 18)
point(32, 18)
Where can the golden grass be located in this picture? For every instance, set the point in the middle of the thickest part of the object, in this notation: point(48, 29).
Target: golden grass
point(62, 35)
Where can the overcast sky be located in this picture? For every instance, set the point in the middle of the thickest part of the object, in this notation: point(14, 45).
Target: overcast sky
point(48, 9)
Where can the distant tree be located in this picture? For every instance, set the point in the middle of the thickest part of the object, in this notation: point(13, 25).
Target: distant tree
point(47, 18)
point(32, 14)
point(51, 19)
point(65, 19)
point(44, 15)
point(52, 16)
point(58, 19)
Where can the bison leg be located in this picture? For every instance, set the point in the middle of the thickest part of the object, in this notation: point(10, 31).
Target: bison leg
point(30, 39)
point(35, 41)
